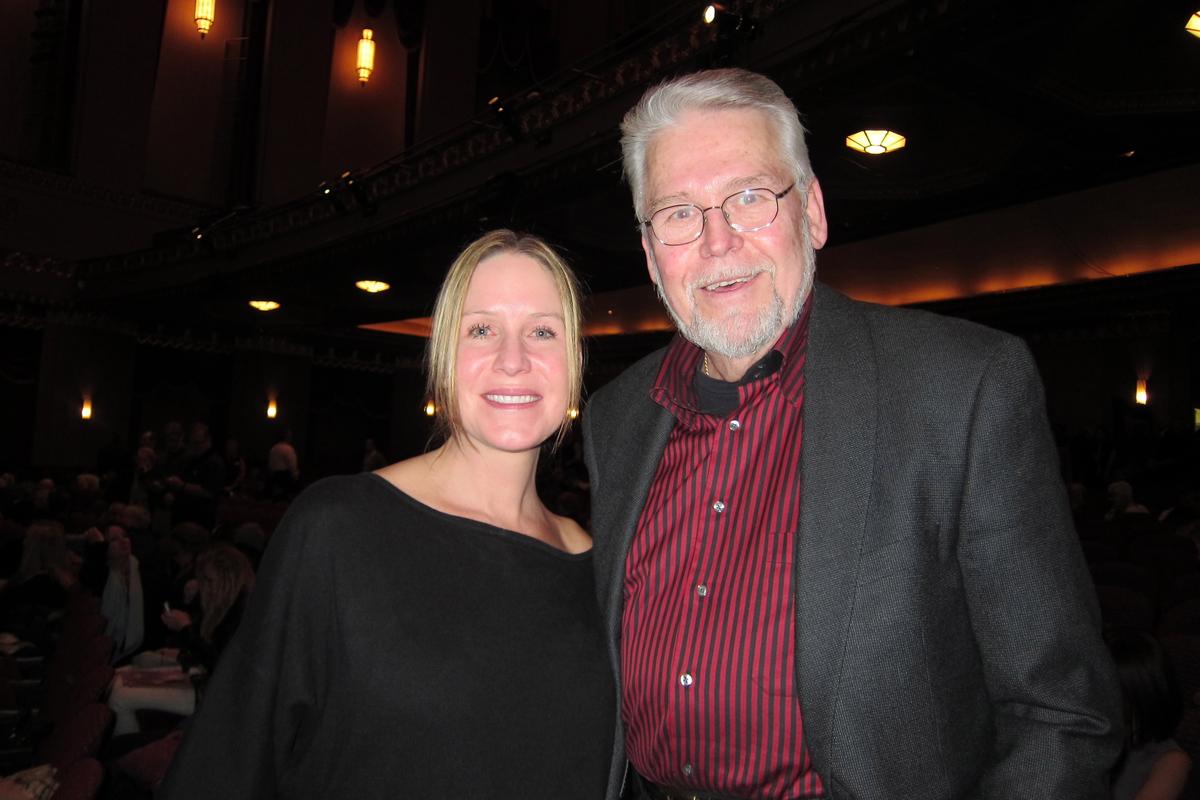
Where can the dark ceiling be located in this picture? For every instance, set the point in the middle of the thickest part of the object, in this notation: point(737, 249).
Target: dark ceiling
point(1002, 102)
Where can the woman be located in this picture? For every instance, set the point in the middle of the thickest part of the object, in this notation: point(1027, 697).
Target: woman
point(430, 630)
point(34, 600)
point(224, 579)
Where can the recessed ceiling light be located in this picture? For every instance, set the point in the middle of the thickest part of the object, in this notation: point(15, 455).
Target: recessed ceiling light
point(264, 305)
point(876, 143)
point(373, 286)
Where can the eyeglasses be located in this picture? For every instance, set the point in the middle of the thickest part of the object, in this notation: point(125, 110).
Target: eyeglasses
point(746, 211)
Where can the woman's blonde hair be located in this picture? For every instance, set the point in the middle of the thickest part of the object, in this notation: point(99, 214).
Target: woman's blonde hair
point(224, 573)
point(442, 352)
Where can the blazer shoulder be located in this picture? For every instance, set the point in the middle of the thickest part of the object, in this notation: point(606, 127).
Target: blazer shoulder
point(630, 385)
point(904, 333)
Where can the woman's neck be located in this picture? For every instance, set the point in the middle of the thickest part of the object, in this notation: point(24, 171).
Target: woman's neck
point(490, 485)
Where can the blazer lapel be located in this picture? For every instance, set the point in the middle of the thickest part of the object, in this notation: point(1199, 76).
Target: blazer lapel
point(836, 472)
point(642, 438)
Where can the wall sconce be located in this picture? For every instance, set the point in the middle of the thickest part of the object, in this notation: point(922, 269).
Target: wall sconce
point(1140, 396)
point(272, 408)
point(264, 305)
point(85, 410)
point(204, 15)
point(430, 409)
point(373, 287)
point(366, 56)
point(1193, 25)
point(876, 142)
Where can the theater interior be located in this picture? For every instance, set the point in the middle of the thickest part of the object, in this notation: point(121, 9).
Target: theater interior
point(155, 179)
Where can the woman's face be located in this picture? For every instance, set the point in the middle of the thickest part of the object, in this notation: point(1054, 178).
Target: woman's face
point(512, 355)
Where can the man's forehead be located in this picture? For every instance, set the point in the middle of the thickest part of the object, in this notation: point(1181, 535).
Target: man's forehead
point(759, 161)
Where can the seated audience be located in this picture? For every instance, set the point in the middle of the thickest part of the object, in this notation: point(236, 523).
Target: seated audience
point(224, 580)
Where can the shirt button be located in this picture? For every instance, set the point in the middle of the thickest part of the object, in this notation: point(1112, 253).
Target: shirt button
point(685, 679)
point(687, 770)
point(734, 425)
point(701, 590)
point(718, 506)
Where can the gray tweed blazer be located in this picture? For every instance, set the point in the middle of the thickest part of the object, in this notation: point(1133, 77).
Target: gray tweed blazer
point(947, 635)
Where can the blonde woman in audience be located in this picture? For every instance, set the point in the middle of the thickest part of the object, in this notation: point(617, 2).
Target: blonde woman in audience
point(429, 630)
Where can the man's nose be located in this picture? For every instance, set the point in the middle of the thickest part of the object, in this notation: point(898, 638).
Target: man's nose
point(718, 236)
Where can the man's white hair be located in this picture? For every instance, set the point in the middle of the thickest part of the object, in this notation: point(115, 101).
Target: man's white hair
point(717, 89)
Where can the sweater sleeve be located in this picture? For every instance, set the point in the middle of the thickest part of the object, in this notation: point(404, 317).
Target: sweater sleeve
point(264, 699)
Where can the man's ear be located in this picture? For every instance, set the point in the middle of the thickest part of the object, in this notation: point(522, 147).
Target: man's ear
point(647, 248)
point(814, 209)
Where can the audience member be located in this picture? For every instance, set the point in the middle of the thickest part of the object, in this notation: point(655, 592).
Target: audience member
point(37, 595)
point(1152, 766)
point(197, 488)
point(283, 468)
point(373, 459)
point(174, 456)
point(235, 467)
point(1120, 501)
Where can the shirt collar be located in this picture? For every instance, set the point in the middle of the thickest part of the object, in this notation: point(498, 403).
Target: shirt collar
point(674, 387)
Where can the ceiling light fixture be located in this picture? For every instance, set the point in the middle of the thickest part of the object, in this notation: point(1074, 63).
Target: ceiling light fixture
point(264, 305)
point(373, 287)
point(710, 12)
point(1193, 25)
point(366, 56)
point(876, 142)
point(204, 15)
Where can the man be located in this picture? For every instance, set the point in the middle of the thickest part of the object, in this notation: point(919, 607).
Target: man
point(283, 468)
point(197, 488)
point(831, 543)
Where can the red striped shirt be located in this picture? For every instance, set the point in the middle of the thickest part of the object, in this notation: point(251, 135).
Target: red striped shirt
point(708, 645)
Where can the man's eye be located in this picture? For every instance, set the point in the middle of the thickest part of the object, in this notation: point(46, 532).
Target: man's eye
point(681, 213)
point(748, 198)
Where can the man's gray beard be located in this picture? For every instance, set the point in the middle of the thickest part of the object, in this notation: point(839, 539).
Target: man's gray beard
point(758, 332)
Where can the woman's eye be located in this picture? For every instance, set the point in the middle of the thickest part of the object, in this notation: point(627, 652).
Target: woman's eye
point(543, 333)
point(477, 331)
